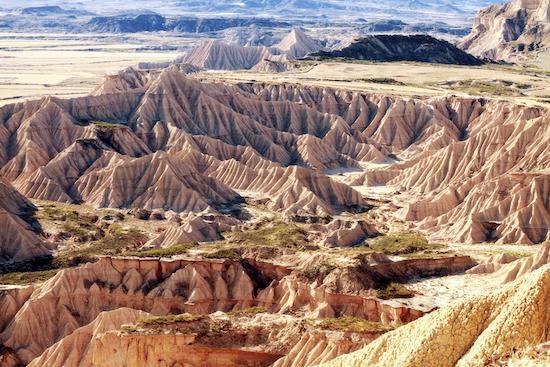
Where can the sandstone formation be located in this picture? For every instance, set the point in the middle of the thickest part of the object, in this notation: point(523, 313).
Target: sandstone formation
point(505, 269)
point(57, 311)
point(20, 233)
point(317, 347)
point(508, 31)
point(270, 66)
point(75, 349)
point(217, 55)
point(342, 233)
point(194, 228)
point(467, 333)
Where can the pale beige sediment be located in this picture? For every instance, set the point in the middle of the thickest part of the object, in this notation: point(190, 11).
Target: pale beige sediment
point(468, 332)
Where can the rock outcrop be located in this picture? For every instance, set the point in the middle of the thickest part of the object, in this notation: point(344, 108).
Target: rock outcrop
point(20, 234)
point(467, 333)
point(420, 48)
point(217, 55)
point(341, 233)
point(511, 30)
point(77, 348)
point(317, 347)
point(270, 66)
point(38, 318)
point(505, 268)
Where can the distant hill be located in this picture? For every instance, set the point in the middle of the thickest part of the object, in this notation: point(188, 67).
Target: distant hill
point(155, 22)
point(420, 48)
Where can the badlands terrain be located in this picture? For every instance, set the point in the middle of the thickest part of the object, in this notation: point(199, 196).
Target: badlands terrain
point(284, 197)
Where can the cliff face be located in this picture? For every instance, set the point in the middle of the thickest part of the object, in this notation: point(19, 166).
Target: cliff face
point(62, 309)
point(467, 333)
point(505, 32)
point(140, 312)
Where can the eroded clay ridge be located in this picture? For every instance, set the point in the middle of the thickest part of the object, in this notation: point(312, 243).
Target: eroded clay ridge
point(20, 234)
point(506, 31)
point(166, 140)
point(62, 310)
point(472, 332)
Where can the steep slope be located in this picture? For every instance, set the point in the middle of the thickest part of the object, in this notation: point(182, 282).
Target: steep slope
point(58, 310)
point(298, 44)
point(270, 66)
point(74, 350)
point(478, 328)
point(504, 161)
point(508, 270)
point(20, 233)
point(217, 55)
point(419, 48)
point(511, 30)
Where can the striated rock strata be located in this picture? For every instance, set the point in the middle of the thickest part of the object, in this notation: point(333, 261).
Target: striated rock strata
point(467, 333)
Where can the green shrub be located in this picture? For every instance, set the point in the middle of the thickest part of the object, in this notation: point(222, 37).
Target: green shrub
point(317, 271)
point(351, 324)
point(179, 249)
point(248, 311)
point(169, 319)
point(228, 253)
point(394, 290)
point(401, 243)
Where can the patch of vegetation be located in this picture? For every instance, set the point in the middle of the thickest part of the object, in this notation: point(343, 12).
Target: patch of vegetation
point(313, 272)
point(28, 277)
point(226, 253)
point(129, 329)
point(179, 249)
point(394, 290)
point(401, 243)
point(108, 125)
point(81, 227)
point(279, 235)
point(169, 319)
point(248, 311)
point(351, 324)
point(115, 241)
point(490, 87)
point(381, 80)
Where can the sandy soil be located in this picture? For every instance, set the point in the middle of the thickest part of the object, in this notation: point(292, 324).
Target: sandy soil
point(64, 66)
point(416, 79)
